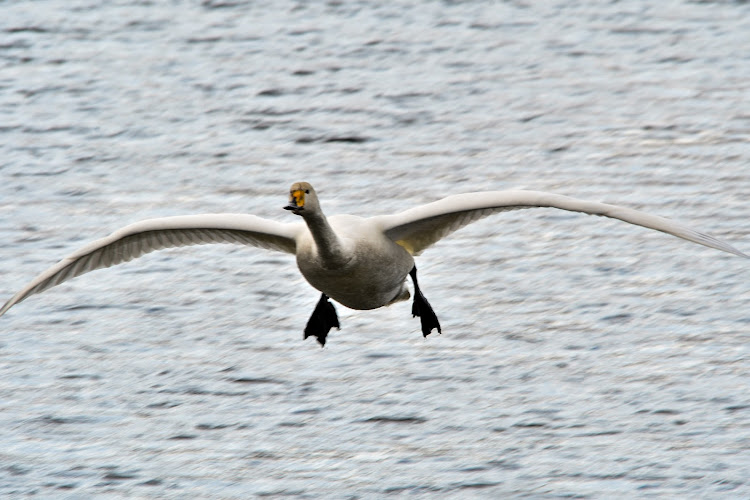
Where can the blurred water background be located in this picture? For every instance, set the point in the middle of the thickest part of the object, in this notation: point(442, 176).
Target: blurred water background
point(580, 357)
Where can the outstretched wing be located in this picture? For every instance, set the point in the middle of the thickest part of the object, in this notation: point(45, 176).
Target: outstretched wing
point(420, 227)
point(155, 234)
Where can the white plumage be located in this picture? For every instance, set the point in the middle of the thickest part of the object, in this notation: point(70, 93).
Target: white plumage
point(360, 262)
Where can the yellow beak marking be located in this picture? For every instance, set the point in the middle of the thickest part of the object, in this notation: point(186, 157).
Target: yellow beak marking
point(298, 198)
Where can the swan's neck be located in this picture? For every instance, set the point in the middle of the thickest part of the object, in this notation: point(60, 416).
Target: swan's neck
point(330, 249)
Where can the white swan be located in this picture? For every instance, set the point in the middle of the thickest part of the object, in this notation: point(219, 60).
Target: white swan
point(360, 262)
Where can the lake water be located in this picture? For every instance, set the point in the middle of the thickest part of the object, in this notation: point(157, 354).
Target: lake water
point(580, 357)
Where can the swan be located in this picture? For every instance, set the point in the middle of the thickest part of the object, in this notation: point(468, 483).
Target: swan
point(361, 263)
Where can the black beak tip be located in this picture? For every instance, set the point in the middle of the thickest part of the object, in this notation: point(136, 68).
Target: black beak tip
point(293, 208)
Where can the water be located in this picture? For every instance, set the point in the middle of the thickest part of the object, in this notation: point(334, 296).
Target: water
point(580, 357)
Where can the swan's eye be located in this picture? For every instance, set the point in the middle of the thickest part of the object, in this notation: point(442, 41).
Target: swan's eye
point(307, 191)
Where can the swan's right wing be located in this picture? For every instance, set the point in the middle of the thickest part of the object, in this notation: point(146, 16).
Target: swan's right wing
point(155, 234)
point(420, 227)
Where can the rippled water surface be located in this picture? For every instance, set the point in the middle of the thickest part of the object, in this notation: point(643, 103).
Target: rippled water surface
point(580, 357)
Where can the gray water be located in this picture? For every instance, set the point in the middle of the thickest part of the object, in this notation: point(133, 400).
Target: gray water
point(580, 357)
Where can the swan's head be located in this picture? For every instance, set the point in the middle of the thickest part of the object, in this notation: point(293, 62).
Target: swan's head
point(302, 198)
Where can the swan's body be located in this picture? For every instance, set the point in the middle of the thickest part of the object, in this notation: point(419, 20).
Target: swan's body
point(362, 263)
point(371, 275)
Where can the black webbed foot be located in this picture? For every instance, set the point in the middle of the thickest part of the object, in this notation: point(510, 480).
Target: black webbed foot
point(322, 320)
point(422, 308)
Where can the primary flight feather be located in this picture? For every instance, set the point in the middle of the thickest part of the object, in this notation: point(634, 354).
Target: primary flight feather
point(362, 263)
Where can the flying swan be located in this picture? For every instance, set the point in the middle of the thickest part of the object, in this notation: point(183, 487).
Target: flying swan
point(361, 263)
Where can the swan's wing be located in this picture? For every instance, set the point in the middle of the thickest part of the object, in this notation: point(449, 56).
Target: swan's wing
point(155, 234)
point(418, 228)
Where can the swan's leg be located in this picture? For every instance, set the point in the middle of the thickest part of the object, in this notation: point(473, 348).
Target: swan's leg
point(322, 320)
point(422, 308)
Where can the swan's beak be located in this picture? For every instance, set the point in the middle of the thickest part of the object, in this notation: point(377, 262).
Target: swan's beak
point(296, 201)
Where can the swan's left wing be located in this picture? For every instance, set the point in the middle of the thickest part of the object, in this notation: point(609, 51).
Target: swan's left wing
point(167, 232)
point(420, 227)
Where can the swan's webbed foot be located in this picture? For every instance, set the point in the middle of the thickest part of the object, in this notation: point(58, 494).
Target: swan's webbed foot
point(422, 308)
point(322, 320)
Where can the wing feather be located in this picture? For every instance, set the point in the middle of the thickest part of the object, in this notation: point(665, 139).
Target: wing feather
point(420, 227)
point(150, 235)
